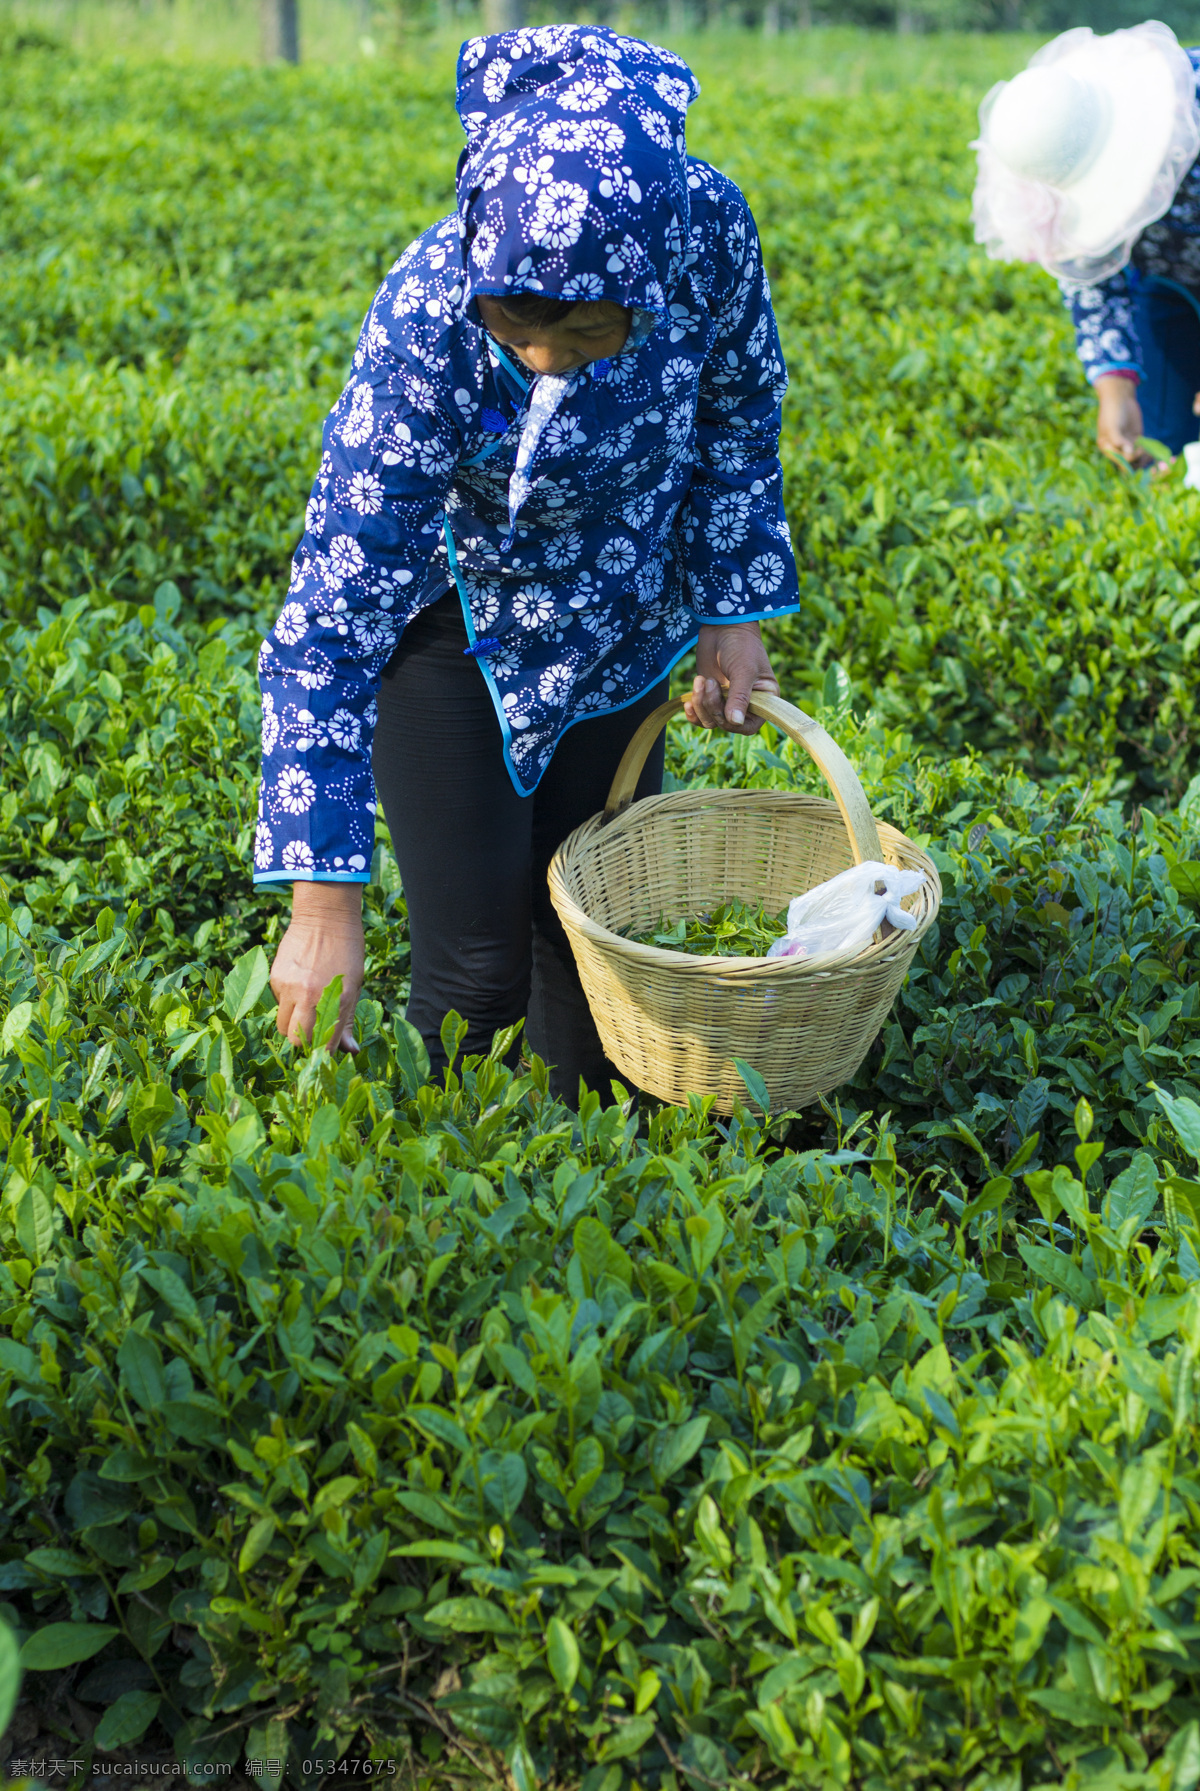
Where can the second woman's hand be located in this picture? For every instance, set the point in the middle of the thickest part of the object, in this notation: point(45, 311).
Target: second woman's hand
point(731, 661)
point(1119, 419)
point(324, 941)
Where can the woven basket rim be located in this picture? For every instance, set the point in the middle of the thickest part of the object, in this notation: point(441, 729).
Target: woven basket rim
point(689, 964)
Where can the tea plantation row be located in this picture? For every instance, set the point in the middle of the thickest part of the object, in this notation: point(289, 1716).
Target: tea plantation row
point(621, 1448)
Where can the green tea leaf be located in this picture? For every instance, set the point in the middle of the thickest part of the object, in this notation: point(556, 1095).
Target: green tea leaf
point(142, 1371)
point(267, 1753)
point(1184, 1115)
point(1033, 1620)
point(453, 1032)
point(128, 1719)
point(629, 1737)
point(258, 1541)
point(673, 1449)
point(16, 1024)
point(562, 1655)
point(755, 1085)
point(467, 1616)
point(325, 1019)
point(1182, 1755)
point(1056, 1268)
point(412, 1059)
point(10, 1675)
point(592, 1244)
point(56, 1645)
point(245, 984)
point(1134, 1193)
point(150, 1109)
point(1081, 1709)
point(836, 688)
point(505, 1478)
point(58, 1561)
point(35, 1224)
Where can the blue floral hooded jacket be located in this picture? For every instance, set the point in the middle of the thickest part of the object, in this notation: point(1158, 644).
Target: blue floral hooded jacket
point(591, 521)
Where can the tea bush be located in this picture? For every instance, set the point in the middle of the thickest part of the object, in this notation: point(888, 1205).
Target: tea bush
point(343, 1407)
point(349, 1415)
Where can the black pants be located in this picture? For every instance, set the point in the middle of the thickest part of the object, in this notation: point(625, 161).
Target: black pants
point(473, 855)
point(1169, 328)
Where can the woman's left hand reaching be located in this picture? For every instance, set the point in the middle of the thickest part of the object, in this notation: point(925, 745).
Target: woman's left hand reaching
point(324, 941)
point(731, 661)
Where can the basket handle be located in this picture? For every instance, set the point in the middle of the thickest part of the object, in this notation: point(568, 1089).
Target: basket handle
point(825, 753)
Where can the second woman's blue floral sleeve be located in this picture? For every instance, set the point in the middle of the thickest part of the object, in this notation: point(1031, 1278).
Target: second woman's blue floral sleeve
point(1106, 338)
point(372, 525)
point(737, 550)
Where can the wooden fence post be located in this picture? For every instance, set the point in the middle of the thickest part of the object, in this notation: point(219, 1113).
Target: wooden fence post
point(503, 15)
point(280, 20)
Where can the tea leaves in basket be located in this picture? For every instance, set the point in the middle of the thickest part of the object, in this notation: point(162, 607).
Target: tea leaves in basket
point(732, 930)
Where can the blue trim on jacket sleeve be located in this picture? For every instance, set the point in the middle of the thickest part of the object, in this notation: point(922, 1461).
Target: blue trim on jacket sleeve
point(1095, 373)
point(758, 615)
point(312, 877)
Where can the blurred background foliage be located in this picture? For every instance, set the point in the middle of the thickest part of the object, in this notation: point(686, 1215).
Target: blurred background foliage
point(189, 256)
point(339, 31)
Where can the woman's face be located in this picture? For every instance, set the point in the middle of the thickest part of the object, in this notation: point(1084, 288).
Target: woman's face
point(594, 331)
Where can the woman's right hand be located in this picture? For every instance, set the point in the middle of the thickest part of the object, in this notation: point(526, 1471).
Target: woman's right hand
point(324, 940)
point(1119, 422)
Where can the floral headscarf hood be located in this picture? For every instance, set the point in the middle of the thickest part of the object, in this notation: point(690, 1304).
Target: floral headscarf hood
point(573, 183)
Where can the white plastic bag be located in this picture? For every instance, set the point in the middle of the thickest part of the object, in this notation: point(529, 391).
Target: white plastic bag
point(841, 915)
point(1191, 455)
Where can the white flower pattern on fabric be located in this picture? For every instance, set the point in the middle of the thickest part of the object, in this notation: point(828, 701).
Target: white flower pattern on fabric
point(357, 423)
point(296, 790)
point(365, 494)
point(563, 550)
point(345, 730)
point(373, 633)
point(291, 624)
point(766, 573)
point(535, 173)
point(555, 683)
point(533, 607)
point(638, 511)
point(728, 525)
point(495, 78)
point(621, 507)
point(558, 215)
point(583, 286)
point(297, 856)
point(617, 556)
point(657, 129)
point(316, 672)
point(584, 96)
point(345, 557)
point(270, 723)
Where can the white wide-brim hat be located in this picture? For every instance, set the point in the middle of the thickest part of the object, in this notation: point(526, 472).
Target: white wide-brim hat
point(1084, 149)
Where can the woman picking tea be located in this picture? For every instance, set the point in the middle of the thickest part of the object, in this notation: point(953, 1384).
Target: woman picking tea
point(552, 473)
point(1087, 163)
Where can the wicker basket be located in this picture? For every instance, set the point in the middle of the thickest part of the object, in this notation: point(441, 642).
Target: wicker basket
point(674, 1023)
